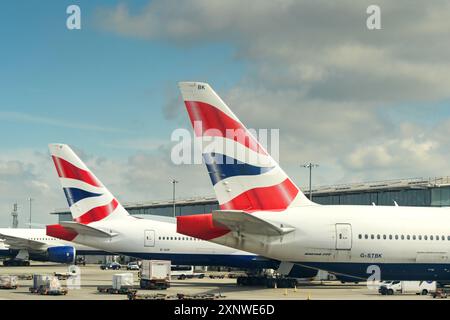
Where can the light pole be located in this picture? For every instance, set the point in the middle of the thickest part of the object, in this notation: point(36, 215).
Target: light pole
point(30, 199)
point(310, 166)
point(174, 182)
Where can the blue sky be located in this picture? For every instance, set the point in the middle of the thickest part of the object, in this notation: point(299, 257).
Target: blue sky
point(99, 87)
point(361, 103)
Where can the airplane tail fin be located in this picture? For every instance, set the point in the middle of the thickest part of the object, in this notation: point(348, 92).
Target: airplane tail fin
point(89, 200)
point(245, 177)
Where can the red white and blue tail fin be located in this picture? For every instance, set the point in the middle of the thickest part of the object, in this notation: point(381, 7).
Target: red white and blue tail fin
point(89, 200)
point(244, 176)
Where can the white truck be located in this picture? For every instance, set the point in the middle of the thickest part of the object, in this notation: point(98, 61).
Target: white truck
point(405, 287)
point(155, 274)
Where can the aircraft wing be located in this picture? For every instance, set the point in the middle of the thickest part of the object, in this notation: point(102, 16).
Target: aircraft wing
point(243, 222)
point(83, 229)
point(22, 243)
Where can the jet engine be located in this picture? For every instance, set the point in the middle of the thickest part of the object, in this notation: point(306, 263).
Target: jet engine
point(61, 254)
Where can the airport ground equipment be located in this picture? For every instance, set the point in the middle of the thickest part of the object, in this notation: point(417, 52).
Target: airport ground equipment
point(441, 292)
point(234, 275)
point(135, 295)
point(24, 276)
point(111, 290)
point(8, 282)
point(47, 285)
point(120, 280)
point(182, 272)
point(266, 279)
point(155, 274)
point(133, 265)
point(122, 283)
point(405, 287)
point(111, 265)
point(62, 275)
point(16, 263)
point(65, 275)
point(216, 276)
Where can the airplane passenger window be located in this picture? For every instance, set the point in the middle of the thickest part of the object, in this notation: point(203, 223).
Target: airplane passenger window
point(448, 238)
point(396, 237)
point(384, 237)
point(403, 237)
point(390, 237)
point(414, 237)
point(372, 236)
point(366, 236)
point(360, 236)
point(442, 238)
point(378, 237)
point(408, 237)
point(431, 237)
point(425, 238)
point(420, 237)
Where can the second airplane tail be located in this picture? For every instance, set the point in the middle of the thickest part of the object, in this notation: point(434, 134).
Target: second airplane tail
point(89, 200)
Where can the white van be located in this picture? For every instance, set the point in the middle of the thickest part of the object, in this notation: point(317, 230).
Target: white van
point(182, 272)
point(405, 287)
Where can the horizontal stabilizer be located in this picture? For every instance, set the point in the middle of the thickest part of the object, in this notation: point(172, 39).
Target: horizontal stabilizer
point(15, 242)
point(83, 229)
point(242, 222)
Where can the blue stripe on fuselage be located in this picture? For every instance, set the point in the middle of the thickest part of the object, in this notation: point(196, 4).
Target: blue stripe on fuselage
point(73, 195)
point(5, 253)
point(221, 167)
point(388, 271)
point(225, 260)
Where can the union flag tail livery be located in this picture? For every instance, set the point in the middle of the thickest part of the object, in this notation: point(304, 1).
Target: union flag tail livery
point(245, 177)
point(89, 200)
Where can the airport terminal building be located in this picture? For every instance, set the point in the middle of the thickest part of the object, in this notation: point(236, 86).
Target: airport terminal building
point(407, 192)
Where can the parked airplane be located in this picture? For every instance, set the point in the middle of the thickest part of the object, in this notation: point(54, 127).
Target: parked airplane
point(264, 212)
point(100, 221)
point(22, 245)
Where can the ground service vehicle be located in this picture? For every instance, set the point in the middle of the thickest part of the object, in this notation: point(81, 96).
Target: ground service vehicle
point(405, 287)
point(111, 265)
point(133, 266)
point(155, 274)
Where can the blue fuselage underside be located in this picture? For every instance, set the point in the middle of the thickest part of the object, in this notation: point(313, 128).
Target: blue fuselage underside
point(388, 271)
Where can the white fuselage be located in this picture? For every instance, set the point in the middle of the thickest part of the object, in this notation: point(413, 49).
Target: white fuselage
point(152, 239)
point(409, 241)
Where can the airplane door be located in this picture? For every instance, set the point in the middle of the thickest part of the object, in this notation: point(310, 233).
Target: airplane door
point(149, 238)
point(343, 236)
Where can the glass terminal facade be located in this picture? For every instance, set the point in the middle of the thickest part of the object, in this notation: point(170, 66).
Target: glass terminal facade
point(404, 193)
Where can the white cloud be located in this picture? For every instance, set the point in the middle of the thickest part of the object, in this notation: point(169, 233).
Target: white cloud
point(316, 72)
point(321, 45)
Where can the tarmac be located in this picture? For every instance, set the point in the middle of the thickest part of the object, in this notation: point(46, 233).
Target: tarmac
point(91, 276)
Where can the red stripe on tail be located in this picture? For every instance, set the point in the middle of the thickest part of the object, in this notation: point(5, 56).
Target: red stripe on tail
point(216, 123)
point(67, 170)
point(98, 213)
point(277, 197)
